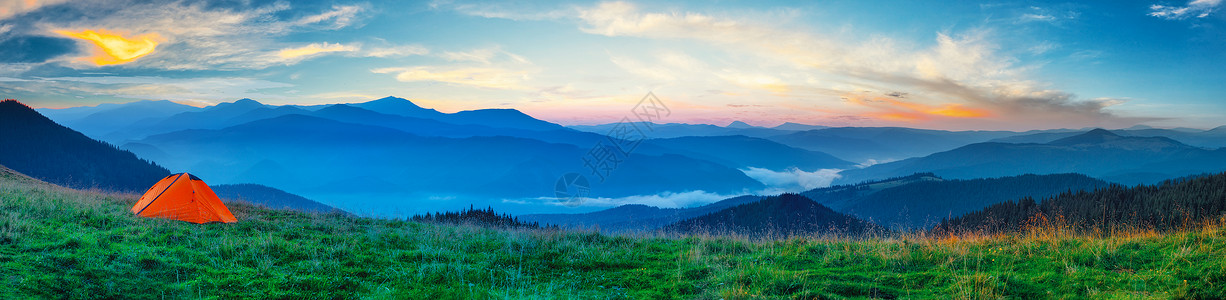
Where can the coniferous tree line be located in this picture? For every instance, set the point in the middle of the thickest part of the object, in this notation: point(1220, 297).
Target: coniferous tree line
point(36, 146)
point(479, 217)
point(1170, 205)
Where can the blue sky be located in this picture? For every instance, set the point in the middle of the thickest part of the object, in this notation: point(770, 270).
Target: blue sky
point(929, 64)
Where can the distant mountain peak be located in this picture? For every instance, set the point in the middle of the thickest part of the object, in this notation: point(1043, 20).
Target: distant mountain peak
point(245, 103)
point(1100, 131)
point(394, 100)
point(1095, 136)
point(398, 106)
point(739, 124)
point(1218, 129)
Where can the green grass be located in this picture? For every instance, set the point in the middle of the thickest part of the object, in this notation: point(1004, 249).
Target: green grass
point(63, 243)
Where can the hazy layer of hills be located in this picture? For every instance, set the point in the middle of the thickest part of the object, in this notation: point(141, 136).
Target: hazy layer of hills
point(270, 197)
point(42, 149)
point(1211, 139)
point(1097, 153)
point(393, 155)
point(316, 155)
point(391, 150)
point(909, 202)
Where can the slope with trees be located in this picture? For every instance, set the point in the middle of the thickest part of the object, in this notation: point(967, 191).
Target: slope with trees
point(1173, 204)
point(33, 144)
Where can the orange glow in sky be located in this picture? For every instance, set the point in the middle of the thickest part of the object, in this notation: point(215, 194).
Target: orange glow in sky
point(116, 49)
point(904, 111)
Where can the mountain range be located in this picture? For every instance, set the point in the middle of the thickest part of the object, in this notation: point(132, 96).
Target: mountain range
point(317, 156)
point(903, 203)
point(397, 153)
point(40, 148)
point(1097, 153)
point(390, 154)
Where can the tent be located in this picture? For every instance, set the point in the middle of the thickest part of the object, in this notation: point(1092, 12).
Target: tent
point(183, 197)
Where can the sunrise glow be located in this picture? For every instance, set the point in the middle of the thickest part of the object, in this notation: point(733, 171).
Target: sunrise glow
point(115, 48)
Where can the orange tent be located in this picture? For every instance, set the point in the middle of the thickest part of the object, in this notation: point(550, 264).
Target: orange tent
point(183, 197)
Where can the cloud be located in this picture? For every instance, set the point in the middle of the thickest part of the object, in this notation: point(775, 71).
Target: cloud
point(341, 16)
point(490, 67)
point(1037, 17)
point(963, 75)
point(397, 51)
point(199, 36)
point(1195, 8)
point(793, 179)
point(517, 11)
point(115, 48)
point(1043, 47)
point(207, 89)
point(894, 109)
point(484, 55)
point(662, 200)
point(494, 78)
point(9, 8)
point(314, 49)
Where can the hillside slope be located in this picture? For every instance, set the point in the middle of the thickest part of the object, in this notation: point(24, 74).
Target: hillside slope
point(62, 243)
point(37, 146)
point(634, 217)
point(318, 158)
point(1171, 205)
point(776, 216)
point(270, 197)
point(923, 200)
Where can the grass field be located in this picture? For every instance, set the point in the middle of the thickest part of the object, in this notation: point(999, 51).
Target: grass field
point(57, 242)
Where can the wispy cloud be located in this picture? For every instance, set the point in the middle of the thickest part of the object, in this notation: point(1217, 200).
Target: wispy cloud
point(793, 180)
point(314, 49)
point(113, 48)
point(197, 36)
point(518, 11)
point(1037, 17)
point(397, 51)
point(959, 71)
point(1195, 8)
point(9, 8)
point(489, 67)
point(662, 200)
point(209, 90)
point(494, 78)
point(340, 16)
point(482, 55)
point(893, 109)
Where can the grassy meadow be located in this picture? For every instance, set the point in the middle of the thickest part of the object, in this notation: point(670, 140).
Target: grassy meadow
point(62, 243)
